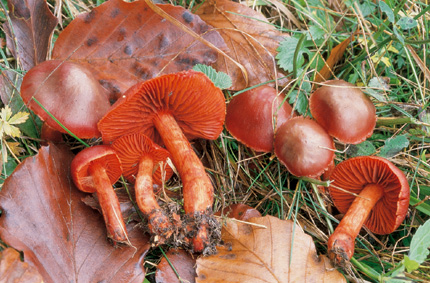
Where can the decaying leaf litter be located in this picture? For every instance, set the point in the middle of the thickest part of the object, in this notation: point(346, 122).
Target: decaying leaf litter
point(252, 174)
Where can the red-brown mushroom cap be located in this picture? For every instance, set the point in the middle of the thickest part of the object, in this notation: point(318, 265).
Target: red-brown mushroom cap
point(251, 115)
point(344, 111)
point(197, 105)
point(130, 150)
point(304, 147)
point(355, 173)
point(102, 154)
point(70, 93)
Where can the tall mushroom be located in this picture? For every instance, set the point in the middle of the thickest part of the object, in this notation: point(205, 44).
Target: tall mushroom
point(304, 147)
point(253, 116)
point(344, 111)
point(176, 107)
point(381, 204)
point(144, 163)
point(70, 92)
point(94, 170)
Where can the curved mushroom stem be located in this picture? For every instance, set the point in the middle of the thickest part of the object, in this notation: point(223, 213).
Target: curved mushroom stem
point(341, 242)
point(109, 204)
point(197, 188)
point(158, 223)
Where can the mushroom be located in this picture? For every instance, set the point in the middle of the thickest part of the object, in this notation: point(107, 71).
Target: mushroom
point(381, 204)
point(253, 117)
point(143, 163)
point(70, 93)
point(176, 107)
point(304, 147)
point(94, 170)
point(344, 111)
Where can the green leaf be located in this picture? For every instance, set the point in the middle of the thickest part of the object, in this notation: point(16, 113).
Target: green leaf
point(410, 264)
point(366, 8)
point(386, 10)
point(407, 23)
point(220, 79)
point(30, 126)
point(316, 32)
point(286, 51)
point(420, 244)
point(300, 100)
point(8, 168)
point(393, 146)
point(362, 149)
point(376, 82)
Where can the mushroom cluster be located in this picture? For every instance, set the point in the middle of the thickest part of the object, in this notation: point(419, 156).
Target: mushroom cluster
point(262, 121)
point(172, 110)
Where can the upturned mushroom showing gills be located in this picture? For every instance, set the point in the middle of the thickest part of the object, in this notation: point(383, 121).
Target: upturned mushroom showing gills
point(344, 111)
point(145, 163)
point(381, 204)
point(304, 147)
point(176, 107)
point(94, 170)
point(252, 115)
point(69, 92)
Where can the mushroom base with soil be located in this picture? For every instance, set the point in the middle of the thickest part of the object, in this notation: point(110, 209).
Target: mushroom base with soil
point(204, 227)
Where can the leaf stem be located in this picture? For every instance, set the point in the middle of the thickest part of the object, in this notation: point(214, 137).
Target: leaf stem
point(296, 53)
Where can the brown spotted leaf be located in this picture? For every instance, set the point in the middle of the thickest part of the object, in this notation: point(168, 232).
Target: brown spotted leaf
point(32, 27)
point(125, 43)
point(280, 252)
point(43, 216)
point(251, 39)
point(12, 269)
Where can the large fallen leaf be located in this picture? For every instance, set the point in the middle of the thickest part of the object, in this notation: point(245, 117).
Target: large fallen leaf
point(32, 26)
point(125, 43)
point(281, 252)
point(43, 216)
point(12, 269)
point(252, 41)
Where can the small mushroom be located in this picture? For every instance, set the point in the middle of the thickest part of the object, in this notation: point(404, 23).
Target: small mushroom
point(176, 107)
point(144, 162)
point(94, 170)
point(381, 204)
point(344, 111)
point(252, 116)
point(304, 147)
point(69, 92)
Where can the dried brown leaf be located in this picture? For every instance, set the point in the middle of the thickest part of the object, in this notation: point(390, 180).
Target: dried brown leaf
point(12, 269)
point(124, 43)
point(420, 63)
point(252, 41)
point(32, 27)
point(44, 217)
point(281, 252)
point(336, 54)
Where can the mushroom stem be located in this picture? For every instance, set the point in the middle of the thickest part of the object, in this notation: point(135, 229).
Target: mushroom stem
point(109, 203)
point(158, 222)
point(341, 242)
point(197, 188)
